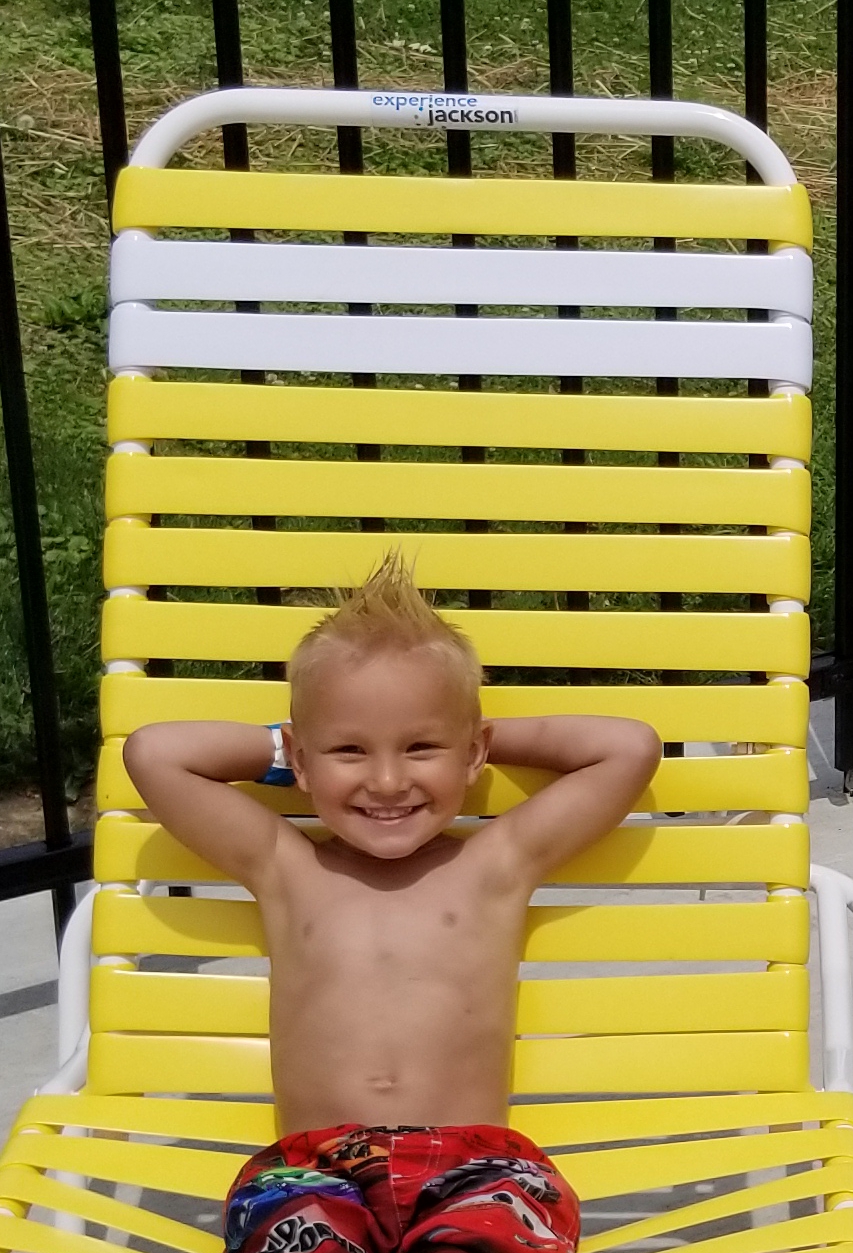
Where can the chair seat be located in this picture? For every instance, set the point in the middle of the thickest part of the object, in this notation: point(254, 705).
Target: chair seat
point(730, 1165)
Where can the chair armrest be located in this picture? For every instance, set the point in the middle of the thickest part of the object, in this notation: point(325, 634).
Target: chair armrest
point(75, 965)
point(834, 892)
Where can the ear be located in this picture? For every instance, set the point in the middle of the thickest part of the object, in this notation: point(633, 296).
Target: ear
point(479, 751)
point(295, 755)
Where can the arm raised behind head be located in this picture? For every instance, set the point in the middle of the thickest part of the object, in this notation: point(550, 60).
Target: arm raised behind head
point(182, 771)
point(605, 765)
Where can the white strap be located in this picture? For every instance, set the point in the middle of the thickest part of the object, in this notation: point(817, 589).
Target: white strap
point(279, 761)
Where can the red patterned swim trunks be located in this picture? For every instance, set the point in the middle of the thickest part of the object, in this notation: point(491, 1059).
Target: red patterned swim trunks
point(363, 1189)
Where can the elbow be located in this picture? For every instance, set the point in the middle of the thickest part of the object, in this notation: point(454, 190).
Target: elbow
point(649, 742)
point(139, 749)
point(646, 748)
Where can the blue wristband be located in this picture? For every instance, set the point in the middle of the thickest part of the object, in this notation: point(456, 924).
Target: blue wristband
point(279, 773)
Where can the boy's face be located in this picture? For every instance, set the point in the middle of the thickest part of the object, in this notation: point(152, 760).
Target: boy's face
point(387, 746)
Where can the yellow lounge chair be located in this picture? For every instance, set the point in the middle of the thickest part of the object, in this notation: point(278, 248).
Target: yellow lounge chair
point(670, 1075)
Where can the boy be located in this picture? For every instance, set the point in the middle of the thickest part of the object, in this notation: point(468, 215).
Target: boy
point(394, 947)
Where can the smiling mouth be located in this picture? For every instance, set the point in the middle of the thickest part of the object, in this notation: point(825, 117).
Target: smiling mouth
point(389, 813)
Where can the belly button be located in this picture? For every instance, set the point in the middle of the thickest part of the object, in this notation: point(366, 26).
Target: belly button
point(449, 918)
point(307, 930)
point(382, 1083)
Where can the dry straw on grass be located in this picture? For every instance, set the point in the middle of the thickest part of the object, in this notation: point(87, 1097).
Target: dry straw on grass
point(50, 120)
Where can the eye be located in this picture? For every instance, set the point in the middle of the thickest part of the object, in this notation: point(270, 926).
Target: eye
point(347, 750)
point(422, 746)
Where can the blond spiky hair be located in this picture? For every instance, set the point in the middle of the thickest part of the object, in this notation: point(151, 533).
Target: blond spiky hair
point(387, 613)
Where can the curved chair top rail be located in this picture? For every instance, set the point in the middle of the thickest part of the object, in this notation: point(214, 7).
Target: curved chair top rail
point(446, 111)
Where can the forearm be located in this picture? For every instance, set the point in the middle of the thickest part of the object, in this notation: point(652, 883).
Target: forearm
point(182, 769)
point(225, 752)
point(569, 743)
point(604, 764)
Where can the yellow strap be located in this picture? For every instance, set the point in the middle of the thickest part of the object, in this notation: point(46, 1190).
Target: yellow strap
point(774, 930)
point(120, 1063)
point(127, 850)
point(569, 1123)
point(602, 1122)
point(720, 1061)
point(424, 490)
point(24, 1184)
point(774, 781)
point(141, 409)
point(224, 1122)
point(698, 854)
point(204, 1173)
point(621, 1171)
point(835, 1229)
point(135, 627)
point(26, 1236)
point(772, 1061)
point(654, 1004)
point(127, 923)
point(125, 1000)
point(805, 1185)
point(776, 713)
point(131, 1000)
point(773, 565)
point(442, 206)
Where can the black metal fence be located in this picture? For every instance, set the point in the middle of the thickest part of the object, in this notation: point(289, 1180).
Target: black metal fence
point(63, 857)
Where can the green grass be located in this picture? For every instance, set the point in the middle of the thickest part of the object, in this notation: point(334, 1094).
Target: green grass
point(48, 125)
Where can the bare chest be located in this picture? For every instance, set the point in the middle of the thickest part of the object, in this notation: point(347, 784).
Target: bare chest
point(441, 922)
point(346, 925)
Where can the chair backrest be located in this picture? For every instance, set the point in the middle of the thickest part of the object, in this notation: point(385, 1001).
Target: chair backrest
point(700, 986)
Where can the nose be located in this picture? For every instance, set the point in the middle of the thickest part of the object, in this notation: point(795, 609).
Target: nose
point(388, 776)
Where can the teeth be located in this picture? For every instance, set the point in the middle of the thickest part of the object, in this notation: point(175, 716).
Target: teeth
point(389, 813)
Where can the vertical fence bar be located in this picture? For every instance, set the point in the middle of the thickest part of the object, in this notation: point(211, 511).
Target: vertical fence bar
point(454, 54)
point(755, 108)
point(25, 519)
point(111, 113)
point(345, 73)
point(844, 406)
point(561, 71)
point(235, 146)
point(351, 161)
point(755, 68)
point(663, 170)
point(564, 165)
point(229, 73)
